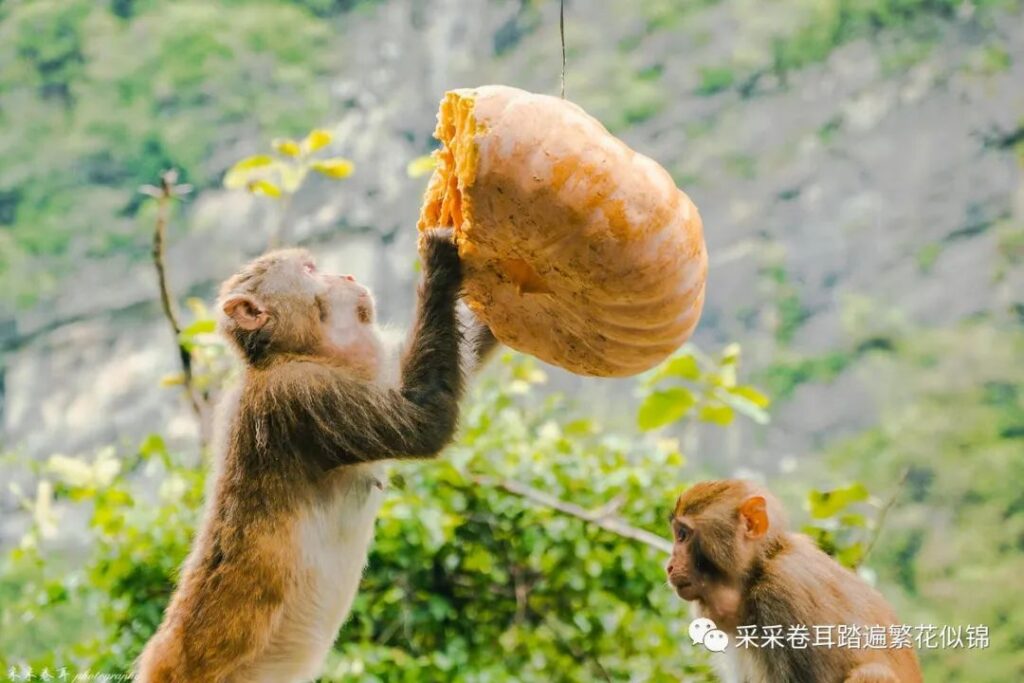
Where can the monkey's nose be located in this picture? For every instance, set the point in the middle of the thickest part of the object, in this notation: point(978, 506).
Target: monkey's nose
point(350, 278)
point(668, 569)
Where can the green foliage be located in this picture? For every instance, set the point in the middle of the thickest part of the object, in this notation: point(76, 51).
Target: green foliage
point(421, 166)
point(790, 313)
point(715, 79)
point(661, 15)
point(621, 93)
point(212, 364)
point(693, 385)
point(104, 98)
point(834, 22)
point(283, 175)
point(927, 255)
point(742, 166)
point(783, 377)
point(835, 525)
point(950, 549)
point(489, 585)
point(99, 613)
point(990, 60)
point(468, 580)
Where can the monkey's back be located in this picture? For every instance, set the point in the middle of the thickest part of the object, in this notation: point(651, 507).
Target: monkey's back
point(818, 591)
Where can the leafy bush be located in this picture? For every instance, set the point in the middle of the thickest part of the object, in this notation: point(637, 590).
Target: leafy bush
point(493, 560)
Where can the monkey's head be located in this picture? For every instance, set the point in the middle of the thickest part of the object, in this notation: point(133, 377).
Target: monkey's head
point(281, 303)
point(719, 529)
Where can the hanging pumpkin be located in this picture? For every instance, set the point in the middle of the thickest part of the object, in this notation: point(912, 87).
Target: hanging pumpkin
point(575, 248)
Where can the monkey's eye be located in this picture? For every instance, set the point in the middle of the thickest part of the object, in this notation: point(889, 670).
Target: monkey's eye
point(683, 534)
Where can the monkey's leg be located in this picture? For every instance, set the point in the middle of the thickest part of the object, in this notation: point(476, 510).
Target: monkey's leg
point(872, 673)
point(225, 621)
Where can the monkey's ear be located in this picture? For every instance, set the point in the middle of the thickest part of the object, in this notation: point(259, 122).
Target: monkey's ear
point(245, 311)
point(754, 513)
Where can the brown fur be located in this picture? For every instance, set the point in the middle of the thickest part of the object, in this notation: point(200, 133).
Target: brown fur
point(305, 418)
point(734, 557)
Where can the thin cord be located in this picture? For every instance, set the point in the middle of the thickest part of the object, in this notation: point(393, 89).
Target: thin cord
point(561, 31)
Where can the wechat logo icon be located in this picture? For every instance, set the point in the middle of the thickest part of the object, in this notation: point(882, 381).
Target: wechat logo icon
point(704, 632)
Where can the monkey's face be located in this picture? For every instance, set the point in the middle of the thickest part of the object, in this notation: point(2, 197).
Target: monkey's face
point(346, 308)
point(345, 303)
point(282, 302)
point(717, 528)
point(680, 569)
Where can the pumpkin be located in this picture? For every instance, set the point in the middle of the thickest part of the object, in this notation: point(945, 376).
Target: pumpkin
point(575, 248)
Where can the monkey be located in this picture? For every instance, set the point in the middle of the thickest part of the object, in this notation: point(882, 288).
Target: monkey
point(298, 476)
point(735, 560)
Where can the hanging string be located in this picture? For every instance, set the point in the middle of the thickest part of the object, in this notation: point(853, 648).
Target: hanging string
point(561, 32)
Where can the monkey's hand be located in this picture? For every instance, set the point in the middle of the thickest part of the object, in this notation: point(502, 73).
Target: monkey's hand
point(440, 257)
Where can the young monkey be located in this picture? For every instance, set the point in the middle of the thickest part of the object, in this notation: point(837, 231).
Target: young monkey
point(276, 563)
point(734, 558)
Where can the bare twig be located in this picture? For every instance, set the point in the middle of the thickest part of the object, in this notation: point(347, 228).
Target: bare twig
point(883, 513)
point(602, 518)
point(168, 190)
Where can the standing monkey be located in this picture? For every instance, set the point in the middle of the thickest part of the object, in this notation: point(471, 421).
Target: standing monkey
point(733, 557)
point(277, 560)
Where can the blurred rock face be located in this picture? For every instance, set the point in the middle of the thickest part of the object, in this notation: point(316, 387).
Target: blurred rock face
point(859, 178)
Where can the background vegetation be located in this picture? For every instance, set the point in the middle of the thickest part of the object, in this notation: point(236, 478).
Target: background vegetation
point(857, 164)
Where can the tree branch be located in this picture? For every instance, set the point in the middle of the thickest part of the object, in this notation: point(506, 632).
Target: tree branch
point(603, 518)
point(168, 190)
point(883, 513)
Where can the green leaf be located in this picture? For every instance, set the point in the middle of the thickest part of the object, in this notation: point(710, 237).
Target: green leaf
point(663, 407)
point(264, 187)
point(198, 307)
point(172, 379)
point(334, 168)
point(152, 445)
point(207, 326)
point(731, 354)
point(421, 166)
point(317, 139)
point(684, 367)
point(287, 147)
point(241, 173)
point(851, 555)
point(828, 503)
point(853, 519)
point(751, 394)
point(717, 413)
point(744, 406)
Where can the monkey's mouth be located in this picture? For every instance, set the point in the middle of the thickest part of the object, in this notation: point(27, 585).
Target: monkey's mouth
point(684, 589)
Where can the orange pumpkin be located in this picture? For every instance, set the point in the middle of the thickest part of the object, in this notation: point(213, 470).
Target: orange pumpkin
point(576, 249)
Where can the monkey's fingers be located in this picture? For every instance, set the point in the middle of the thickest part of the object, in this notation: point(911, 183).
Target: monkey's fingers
point(440, 256)
point(444, 234)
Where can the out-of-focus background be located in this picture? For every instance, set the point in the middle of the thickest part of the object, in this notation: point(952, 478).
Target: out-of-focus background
point(858, 167)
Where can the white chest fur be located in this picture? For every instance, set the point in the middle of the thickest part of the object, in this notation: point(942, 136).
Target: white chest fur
point(333, 539)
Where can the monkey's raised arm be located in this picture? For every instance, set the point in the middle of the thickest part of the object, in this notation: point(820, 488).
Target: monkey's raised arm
point(323, 411)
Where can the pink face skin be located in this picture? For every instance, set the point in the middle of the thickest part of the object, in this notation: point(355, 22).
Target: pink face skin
point(349, 304)
point(349, 312)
